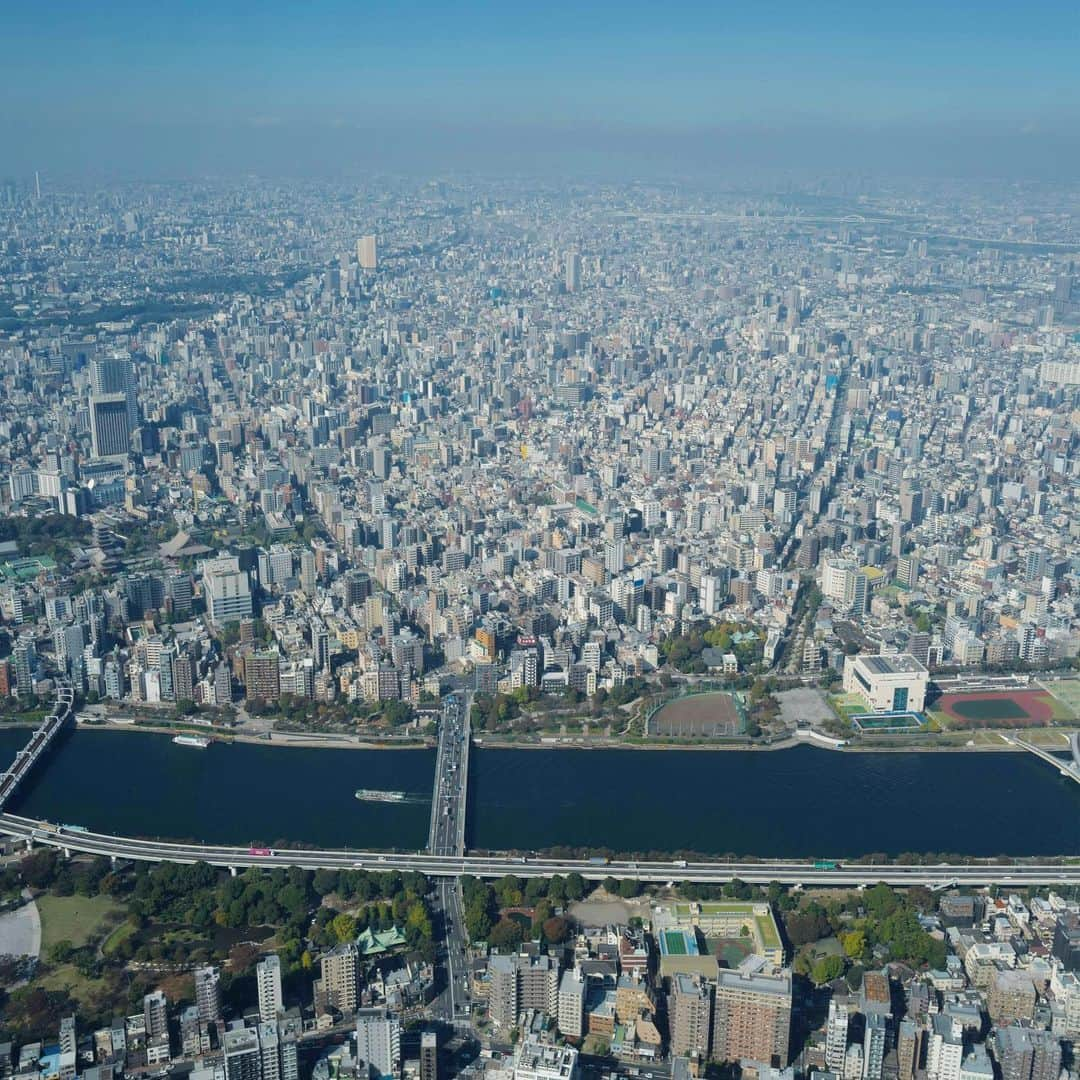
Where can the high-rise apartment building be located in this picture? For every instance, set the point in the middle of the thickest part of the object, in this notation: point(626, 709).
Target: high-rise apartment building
point(689, 1015)
point(243, 1057)
point(378, 1042)
point(519, 983)
point(208, 994)
point(156, 1014)
point(836, 1034)
point(1026, 1054)
point(752, 1018)
point(262, 676)
point(339, 984)
point(429, 1055)
point(268, 987)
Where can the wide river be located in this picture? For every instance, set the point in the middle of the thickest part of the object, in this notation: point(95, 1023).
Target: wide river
point(800, 803)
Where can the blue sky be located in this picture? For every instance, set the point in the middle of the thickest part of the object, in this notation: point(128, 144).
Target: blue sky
point(125, 83)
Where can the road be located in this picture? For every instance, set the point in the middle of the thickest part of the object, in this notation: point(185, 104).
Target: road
point(790, 871)
point(446, 837)
point(446, 833)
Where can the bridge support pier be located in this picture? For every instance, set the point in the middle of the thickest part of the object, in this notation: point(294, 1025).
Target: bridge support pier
point(29, 843)
point(112, 861)
point(232, 871)
point(67, 853)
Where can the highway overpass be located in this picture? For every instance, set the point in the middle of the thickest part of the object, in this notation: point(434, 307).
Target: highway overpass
point(789, 872)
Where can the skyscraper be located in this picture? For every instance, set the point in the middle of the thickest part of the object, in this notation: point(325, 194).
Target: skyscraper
point(110, 425)
point(116, 375)
point(366, 253)
point(573, 271)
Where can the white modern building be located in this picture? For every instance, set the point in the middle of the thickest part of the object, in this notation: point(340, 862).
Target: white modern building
point(889, 683)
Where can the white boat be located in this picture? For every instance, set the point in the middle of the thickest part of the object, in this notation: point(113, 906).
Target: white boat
point(366, 795)
point(200, 742)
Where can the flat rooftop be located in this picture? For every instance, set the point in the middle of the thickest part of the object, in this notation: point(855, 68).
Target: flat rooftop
point(896, 664)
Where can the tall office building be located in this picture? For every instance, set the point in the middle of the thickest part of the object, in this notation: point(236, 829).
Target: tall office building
point(208, 994)
point(268, 984)
point(226, 589)
point(378, 1042)
point(116, 375)
point(366, 253)
point(752, 1018)
point(110, 425)
point(573, 271)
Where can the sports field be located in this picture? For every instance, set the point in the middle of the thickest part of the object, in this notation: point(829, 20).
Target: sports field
point(1013, 708)
point(731, 952)
point(698, 716)
point(1066, 694)
point(675, 943)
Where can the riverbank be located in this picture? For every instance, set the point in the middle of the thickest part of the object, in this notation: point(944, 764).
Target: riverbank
point(307, 741)
point(973, 741)
point(854, 747)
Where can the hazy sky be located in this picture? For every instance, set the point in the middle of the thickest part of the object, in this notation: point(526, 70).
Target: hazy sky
point(157, 87)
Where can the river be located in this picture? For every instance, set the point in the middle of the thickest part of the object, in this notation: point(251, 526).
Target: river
point(800, 802)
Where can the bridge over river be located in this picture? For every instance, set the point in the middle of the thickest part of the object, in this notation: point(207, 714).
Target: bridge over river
point(445, 857)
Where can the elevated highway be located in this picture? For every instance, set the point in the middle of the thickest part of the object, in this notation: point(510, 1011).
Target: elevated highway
point(790, 872)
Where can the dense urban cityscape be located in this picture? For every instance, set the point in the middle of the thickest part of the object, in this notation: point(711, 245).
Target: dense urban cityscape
point(436, 464)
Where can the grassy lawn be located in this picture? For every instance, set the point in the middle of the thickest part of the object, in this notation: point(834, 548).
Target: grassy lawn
point(66, 977)
point(117, 937)
point(767, 930)
point(1051, 738)
point(1066, 695)
point(73, 918)
point(595, 1045)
